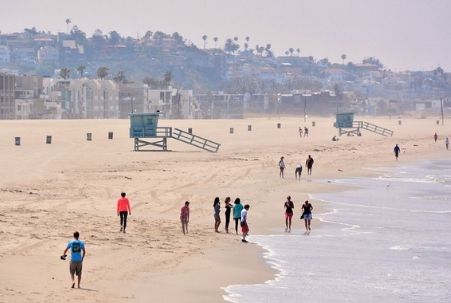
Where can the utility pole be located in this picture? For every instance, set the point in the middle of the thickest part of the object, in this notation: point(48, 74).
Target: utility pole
point(441, 106)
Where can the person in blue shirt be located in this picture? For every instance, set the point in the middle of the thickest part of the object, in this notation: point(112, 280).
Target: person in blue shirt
point(237, 208)
point(77, 255)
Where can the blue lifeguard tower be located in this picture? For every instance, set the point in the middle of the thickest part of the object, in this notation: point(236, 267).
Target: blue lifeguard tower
point(346, 125)
point(144, 127)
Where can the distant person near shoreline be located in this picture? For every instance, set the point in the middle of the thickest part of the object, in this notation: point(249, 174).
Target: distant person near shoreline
point(307, 215)
point(309, 163)
point(123, 209)
point(244, 226)
point(396, 150)
point(228, 206)
point(76, 247)
point(305, 131)
point(281, 167)
point(237, 208)
point(289, 205)
point(184, 217)
point(298, 171)
point(447, 143)
point(216, 212)
point(435, 137)
point(300, 132)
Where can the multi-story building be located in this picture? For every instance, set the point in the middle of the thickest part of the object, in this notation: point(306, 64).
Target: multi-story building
point(28, 102)
point(7, 91)
point(5, 55)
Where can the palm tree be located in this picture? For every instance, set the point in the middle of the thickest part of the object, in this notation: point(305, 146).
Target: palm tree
point(68, 21)
point(298, 51)
point(65, 73)
point(247, 39)
point(343, 58)
point(215, 39)
point(291, 50)
point(204, 37)
point(102, 72)
point(81, 70)
point(246, 46)
point(120, 77)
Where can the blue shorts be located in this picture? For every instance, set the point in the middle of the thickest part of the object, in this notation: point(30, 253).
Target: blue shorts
point(308, 217)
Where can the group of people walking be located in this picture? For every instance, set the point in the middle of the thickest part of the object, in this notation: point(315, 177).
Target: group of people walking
point(239, 215)
point(306, 215)
point(298, 170)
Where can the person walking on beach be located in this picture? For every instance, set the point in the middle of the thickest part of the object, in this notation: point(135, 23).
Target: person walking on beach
point(300, 132)
point(435, 137)
point(228, 206)
point(237, 208)
point(244, 226)
point(184, 217)
point(307, 215)
point(289, 205)
point(447, 143)
point(123, 209)
point(396, 150)
point(281, 166)
point(305, 131)
point(309, 164)
point(216, 211)
point(298, 172)
point(77, 255)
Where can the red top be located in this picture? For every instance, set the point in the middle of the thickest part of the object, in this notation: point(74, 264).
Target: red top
point(184, 212)
point(123, 205)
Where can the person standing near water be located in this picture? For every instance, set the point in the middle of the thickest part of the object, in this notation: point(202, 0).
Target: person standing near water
point(309, 164)
point(123, 209)
point(298, 172)
point(447, 143)
point(244, 226)
point(307, 215)
point(435, 137)
point(184, 217)
point(76, 247)
point(228, 206)
point(396, 150)
point(289, 205)
point(237, 208)
point(216, 211)
point(281, 167)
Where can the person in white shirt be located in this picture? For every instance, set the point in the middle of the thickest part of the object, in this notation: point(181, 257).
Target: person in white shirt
point(244, 226)
point(281, 166)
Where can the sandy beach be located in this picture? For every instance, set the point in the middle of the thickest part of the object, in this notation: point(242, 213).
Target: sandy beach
point(50, 190)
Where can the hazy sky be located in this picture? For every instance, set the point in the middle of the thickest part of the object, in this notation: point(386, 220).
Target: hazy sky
point(403, 34)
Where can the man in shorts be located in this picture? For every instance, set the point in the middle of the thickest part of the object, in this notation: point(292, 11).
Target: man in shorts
point(244, 226)
point(298, 171)
point(281, 166)
point(76, 247)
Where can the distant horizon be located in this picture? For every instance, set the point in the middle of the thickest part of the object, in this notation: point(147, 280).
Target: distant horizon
point(403, 35)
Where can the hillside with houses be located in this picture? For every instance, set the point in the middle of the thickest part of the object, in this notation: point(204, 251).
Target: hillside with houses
point(106, 75)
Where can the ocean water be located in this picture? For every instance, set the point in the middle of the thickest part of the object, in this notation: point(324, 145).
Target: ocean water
point(386, 240)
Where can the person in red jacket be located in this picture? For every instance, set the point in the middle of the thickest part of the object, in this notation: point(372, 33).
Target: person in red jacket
point(123, 209)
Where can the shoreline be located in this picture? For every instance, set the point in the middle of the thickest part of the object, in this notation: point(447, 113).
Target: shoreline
point(76, 183)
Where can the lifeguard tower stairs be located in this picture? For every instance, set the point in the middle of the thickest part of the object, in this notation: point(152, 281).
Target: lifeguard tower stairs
point(147, 135)
point(346, 125)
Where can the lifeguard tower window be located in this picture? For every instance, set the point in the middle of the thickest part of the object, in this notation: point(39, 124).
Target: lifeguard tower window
point(143, 125)
point(344, 120)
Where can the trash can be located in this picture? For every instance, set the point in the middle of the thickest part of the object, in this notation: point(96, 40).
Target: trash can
point(48, 140)
point(231, 130)
point(17, 141)
point(110, 135)
point(249, 128)
point(89, 136)
point(190, 130)
point(279, 125)
point(313, 123)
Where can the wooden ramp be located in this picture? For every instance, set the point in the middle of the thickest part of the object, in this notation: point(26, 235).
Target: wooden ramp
point(195, 140)
point(372, 128)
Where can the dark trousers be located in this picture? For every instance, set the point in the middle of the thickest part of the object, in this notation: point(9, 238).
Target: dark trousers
point(236, 223)
point(123, 215)
point(227, 217)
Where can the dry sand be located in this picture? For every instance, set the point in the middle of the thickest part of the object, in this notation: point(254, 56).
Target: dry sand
point(49, 191)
